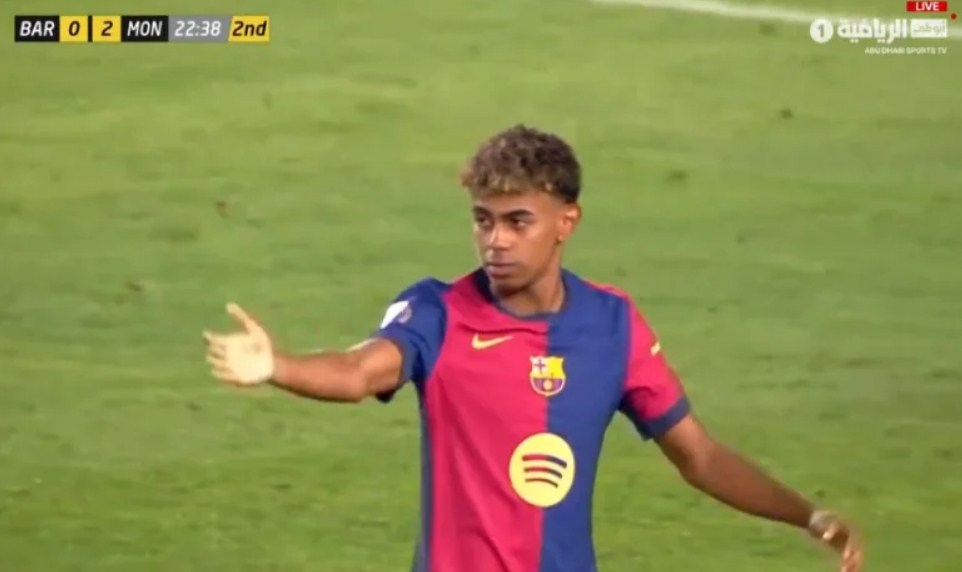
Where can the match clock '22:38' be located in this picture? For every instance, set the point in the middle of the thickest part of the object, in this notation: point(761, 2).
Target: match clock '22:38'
point(198, 28)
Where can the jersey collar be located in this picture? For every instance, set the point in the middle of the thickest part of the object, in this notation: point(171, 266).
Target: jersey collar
point(573, 290)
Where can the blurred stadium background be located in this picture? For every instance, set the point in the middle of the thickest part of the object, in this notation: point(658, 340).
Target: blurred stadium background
point(789, 216)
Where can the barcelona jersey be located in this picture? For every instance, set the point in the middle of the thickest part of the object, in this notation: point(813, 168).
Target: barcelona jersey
point(514, 411)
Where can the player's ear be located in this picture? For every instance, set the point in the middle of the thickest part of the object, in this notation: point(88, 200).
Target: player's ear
point(570, 215)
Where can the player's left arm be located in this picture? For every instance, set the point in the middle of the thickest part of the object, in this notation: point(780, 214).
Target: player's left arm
point(655, 401)
point(724, 474)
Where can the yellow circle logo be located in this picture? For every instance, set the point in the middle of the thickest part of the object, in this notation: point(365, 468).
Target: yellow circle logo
point(542, 469)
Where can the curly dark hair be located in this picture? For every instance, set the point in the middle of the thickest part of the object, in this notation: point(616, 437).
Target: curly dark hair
point(520, 159)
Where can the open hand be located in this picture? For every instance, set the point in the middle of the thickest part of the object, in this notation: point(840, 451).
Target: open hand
point(244, 357)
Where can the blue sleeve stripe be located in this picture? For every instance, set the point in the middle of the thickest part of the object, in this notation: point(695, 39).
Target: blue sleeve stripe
point(403, 343)
point(654, 428)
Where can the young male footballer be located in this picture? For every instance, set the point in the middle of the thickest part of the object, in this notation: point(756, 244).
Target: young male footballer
point(519, 367)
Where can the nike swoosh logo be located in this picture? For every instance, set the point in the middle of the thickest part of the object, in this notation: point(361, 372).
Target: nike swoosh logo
point(479, 344)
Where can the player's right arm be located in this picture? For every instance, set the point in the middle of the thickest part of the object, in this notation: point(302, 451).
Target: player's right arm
point(404, 348)
point(370, 368)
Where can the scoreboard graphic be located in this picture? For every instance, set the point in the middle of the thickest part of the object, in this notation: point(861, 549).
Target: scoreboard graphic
point(156, 28)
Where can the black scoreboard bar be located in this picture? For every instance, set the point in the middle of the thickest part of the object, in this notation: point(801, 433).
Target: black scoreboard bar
point(36, 28)
point(142, 28)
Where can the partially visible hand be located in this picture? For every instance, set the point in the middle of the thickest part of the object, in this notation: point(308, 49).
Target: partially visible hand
point(242, 358)
point(833, 531)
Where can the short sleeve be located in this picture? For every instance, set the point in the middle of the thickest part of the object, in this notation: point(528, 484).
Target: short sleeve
point(653, 399)
point(415, 323)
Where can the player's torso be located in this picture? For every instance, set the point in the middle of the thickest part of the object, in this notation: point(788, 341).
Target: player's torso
point(515, 415)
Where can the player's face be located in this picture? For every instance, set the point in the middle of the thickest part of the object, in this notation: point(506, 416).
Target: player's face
point(519, 235)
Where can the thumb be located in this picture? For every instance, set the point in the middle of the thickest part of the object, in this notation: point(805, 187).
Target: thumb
point(243, 318)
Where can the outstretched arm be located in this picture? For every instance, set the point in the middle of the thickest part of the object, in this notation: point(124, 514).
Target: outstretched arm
point(727, 476)
point(404, 348)
point(370, 368)
point(248, 357)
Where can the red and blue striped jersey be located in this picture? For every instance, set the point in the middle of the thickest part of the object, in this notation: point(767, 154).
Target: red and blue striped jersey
point(514, 412)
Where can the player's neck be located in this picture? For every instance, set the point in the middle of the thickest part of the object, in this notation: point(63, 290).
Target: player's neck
point(546, 295)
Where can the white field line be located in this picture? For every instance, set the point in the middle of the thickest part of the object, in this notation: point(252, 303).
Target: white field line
point(761, 12)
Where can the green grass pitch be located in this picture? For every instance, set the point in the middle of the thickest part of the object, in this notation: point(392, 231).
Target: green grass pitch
point(788, 215)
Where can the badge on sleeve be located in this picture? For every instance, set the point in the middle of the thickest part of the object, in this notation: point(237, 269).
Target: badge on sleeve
point(397, 312)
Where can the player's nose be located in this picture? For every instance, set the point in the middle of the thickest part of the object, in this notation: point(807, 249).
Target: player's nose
point(499, 239)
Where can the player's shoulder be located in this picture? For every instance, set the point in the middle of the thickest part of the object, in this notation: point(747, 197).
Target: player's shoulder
point(605, 289)
point(604, 295)
point(462, 290)
point(423, 297)
point(429, 288)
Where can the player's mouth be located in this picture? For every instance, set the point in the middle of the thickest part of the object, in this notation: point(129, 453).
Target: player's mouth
point(499, 269)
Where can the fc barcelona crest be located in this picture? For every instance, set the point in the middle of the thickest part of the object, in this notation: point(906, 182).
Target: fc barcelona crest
point(547, 375)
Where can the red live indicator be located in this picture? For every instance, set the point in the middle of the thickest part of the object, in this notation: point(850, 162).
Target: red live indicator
point(926, 6)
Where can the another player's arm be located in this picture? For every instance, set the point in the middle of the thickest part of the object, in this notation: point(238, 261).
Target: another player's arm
point(370, 368)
